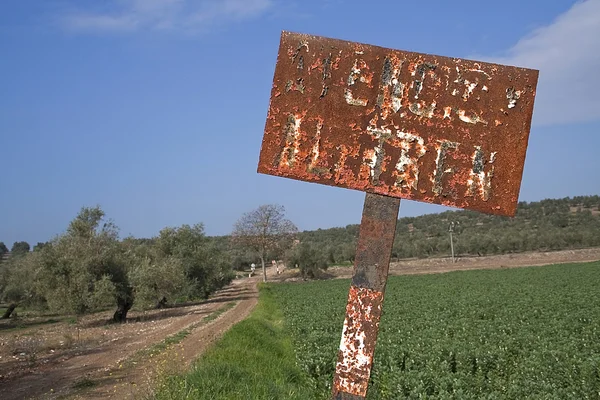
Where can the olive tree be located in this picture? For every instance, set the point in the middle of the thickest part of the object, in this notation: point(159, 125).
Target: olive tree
point(3, 250)
point(19, 284)
point(20, 248)
point(264, 231)
point(206, 267)
point(308, 258)
point(84, 269)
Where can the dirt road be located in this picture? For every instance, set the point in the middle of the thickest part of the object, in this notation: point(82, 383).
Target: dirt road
point(116, 361)
point(440, 265)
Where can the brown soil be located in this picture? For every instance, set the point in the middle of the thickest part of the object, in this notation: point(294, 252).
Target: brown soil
point(441, 265)
point(91, 359)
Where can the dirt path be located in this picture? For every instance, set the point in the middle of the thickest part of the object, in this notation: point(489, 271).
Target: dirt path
point(101, 369)
point(138, 381)
point(440, 265)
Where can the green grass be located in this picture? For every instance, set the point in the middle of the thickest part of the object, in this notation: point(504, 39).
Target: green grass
point(254, 360)
point(343, 264)
point(505, 334)
point(216, 314)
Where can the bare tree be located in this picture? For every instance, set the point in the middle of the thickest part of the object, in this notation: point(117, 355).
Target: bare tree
point(264, 231)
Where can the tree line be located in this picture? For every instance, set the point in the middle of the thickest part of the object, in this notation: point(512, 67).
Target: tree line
point(547, 225)
point(88, 268)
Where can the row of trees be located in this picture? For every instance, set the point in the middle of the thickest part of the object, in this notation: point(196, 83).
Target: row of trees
point(88, 268)
point(554, 224)
point(17, 248)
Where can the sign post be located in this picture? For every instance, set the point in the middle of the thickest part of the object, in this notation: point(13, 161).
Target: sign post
point(394, 124)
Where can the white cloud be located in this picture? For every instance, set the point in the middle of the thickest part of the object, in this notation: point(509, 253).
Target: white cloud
point(228, 9)
point(176, 15)
point(567, 54)
point(102, 22)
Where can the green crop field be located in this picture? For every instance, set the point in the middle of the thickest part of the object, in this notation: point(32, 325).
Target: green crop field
point(504, 334)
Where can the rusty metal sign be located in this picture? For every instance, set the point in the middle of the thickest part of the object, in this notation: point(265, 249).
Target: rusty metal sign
point(394, 124)
point(416, 126)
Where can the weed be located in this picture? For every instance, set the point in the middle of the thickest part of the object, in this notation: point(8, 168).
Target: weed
point(219, 312)
point(68, 340)
point(179, 336)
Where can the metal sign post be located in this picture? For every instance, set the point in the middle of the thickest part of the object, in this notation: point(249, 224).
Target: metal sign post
point(394, 124)
point(365, 300)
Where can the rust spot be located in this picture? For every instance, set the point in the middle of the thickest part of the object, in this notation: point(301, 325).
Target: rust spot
point(357, 346)
point(359, 103)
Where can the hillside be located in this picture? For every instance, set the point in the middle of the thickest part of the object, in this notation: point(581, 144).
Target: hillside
point(553, 224)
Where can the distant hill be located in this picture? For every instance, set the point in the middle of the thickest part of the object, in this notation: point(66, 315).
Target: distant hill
point(553, 224)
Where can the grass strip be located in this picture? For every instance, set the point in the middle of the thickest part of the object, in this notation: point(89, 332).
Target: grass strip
point(254, 360)
point(218, 313)
point(179, 336)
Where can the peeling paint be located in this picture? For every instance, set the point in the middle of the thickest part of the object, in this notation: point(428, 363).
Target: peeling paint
point(471, 119)
point(391, 90)
point(315, 149)
point(447, 112)
point(441, 168)
point(420, 72)
point(481, 72)
point(355, 75)
point(292, 135)
point(469, 89)
point(407, 167)
point(480, 181)
point(418, 109)
point(326, 75)
point(512, 95)
point(375, 158)
point(297, 85)
point(470, 84)
point(302, 44)
point(352, 101)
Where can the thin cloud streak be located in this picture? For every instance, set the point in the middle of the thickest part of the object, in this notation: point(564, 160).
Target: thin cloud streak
point(567, 54)
point(186, 16)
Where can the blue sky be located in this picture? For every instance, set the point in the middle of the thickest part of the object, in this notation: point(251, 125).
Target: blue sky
point(155, 109)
